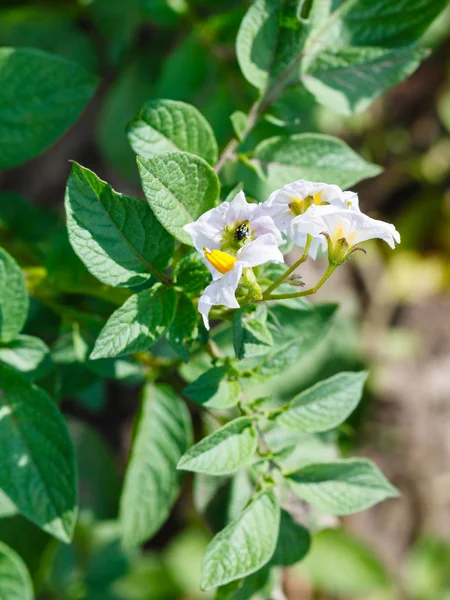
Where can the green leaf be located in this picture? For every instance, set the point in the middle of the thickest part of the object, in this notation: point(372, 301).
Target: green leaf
point(137, 324)
point(347, 80)
point(7, 508)
point(179, 187)
point(239, 121)
point(170, 125)
point(191, 274)
point(314, 157)
point(117, 237)
point(15, 581)
point(245, 545)
point(183, 330)
point(251, 336)
point(342, 487)
point(224, 451)
point(214, 389)
point(302, 329)
point(152, 483)
point(326, 404)
point(41, 97)
point(293, 542)
point(376, 23)
point(37, 461)
point(270, 41)
point(13, 298)
point(29, 355)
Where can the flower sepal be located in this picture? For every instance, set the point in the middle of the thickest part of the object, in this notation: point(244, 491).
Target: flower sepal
point(339, 250)
point(251, 288)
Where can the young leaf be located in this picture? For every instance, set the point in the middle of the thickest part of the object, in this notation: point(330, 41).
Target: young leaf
point(293, 542)
point(29, 355)
point(170, 125)
point(245, 545)
point(191, 274)
point(224, 451)
point(152, 483)
point(251, 336)
point(310, 156)
point(214, 389)
point(183, 330)
point(342, 487)
point(179, 187)
point(302, 329)
point(137, 324)
point(326, 404)
point(347, 80)
point(41, 96)
point(270, 42)
point(15, 581)
point(13, 298)
point(117, 237)
point(37, 469)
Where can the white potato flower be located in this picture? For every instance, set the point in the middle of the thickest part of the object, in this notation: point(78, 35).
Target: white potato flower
point(294, 201)
point(341, 230)
point(232, 237)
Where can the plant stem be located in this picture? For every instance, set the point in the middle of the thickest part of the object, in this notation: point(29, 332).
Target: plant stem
point(291, 269)
point(313, 290)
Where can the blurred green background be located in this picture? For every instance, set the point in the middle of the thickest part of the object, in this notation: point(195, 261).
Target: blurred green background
point(394, 318)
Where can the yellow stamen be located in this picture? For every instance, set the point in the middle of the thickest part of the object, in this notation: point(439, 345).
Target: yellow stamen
point(222, 261)
point(300, 205)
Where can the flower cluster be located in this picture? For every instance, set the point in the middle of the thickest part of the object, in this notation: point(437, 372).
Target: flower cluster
point(238, 235)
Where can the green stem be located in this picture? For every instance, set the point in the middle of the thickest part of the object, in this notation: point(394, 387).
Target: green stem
point(330, 270)
point(291, 269)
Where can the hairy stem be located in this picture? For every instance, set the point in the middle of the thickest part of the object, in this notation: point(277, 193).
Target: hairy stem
point(291, 269)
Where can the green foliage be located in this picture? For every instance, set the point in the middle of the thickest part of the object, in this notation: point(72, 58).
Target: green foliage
point(251, 335)
point(326, 405)
point(13, 298)
point(29, 126)
point(38, 469)
point(168, 126)
point(223, 452)
point(138, 324)
point(152, 484)
point(179, 188)
point(215, 388)
point(117, 237)
point(29, 355)
point(245, 545)
point(293, 542)
point(342, 487)
point(15, 582)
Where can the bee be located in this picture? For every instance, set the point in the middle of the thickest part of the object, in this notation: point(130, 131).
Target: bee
point(242, 232)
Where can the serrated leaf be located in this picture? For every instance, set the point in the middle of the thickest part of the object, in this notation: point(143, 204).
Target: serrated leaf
point(293, 542)
point(342, 487)
point(42, 95)
point(183, 330)
point(302, 329)
point(37, 461)
point(15, 581)
point(310, 156)
point(179, 188)
point(191, 274)
point(13, 298)
point(171, 125)
point(326, 404)
point(347, 80)
point(138, 324)
point(117, 237)
point(251, 336)
point(214, 389)
point(224, 451)
point(152, 482)
point(245, 545)
point(29, 355)
point(270, 41)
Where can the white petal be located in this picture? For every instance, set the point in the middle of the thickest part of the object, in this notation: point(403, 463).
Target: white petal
point(239, 209)
point(351, 200)
point(259, 251)
point(204, 234)
point(367, 228)
point(220, 293)
point(262, 223)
